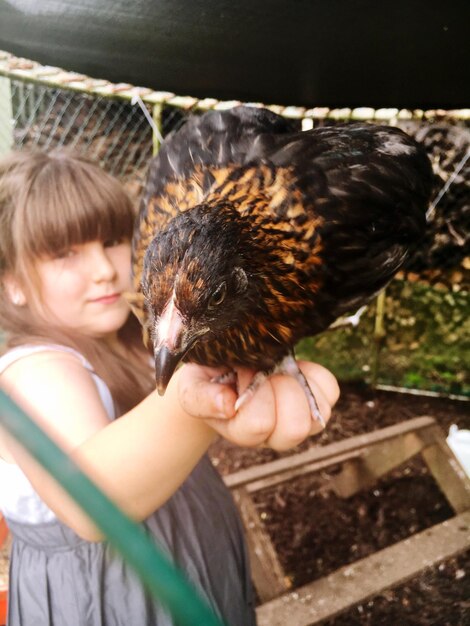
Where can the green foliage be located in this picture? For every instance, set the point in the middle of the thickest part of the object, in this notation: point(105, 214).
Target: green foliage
point(426, 343)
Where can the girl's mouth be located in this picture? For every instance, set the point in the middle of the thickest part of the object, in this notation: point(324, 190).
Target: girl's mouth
point(107, 299)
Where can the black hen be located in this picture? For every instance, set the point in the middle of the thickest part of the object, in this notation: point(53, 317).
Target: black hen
point(253, 234)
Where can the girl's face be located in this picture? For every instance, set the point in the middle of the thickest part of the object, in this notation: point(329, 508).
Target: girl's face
point(82, 288)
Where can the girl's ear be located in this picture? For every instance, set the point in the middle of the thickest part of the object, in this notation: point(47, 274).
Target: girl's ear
point(14, 291)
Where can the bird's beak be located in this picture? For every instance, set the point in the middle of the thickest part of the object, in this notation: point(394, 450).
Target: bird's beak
point(166, 362)
point(173, 339)
point(168, 349)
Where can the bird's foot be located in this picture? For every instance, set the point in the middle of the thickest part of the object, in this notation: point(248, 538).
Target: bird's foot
point(229, 378)
point(288, 365)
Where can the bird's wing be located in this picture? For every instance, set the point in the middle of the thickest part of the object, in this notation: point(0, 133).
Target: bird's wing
point(367, 188)
point(191, 161)
point(350, 202)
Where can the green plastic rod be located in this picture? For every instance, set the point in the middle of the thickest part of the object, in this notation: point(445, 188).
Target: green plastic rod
point(153, 567)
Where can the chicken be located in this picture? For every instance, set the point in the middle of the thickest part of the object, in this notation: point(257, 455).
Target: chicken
point(252, 235)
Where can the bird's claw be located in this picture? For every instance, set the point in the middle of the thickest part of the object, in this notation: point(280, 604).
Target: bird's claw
point(288, 365)
point(229, 378)
point(242, 399)
point(256, 382)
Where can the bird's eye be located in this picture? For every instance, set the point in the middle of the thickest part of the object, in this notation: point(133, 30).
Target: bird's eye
point(218, 296)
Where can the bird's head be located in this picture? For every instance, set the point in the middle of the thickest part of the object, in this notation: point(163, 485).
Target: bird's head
point(196, 283)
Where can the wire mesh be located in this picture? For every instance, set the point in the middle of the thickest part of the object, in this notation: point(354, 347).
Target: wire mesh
point(111, 132)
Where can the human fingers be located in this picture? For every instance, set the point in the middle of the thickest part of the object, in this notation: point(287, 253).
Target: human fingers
point(294, 422)
point(201, 396)
point(277, 415)
point(253, 423)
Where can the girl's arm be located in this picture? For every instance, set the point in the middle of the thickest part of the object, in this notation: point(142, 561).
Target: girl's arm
point(139, 460)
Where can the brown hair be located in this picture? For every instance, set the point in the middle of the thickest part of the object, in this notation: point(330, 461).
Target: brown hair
point(54, 201)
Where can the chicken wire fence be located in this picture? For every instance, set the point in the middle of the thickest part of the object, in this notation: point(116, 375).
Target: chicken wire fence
point(121, 126)
point(113, 132)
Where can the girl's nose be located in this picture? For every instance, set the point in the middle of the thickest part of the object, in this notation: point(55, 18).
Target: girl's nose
point(102, 268)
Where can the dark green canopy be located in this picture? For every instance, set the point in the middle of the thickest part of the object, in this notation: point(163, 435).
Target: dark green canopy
point(400, 53)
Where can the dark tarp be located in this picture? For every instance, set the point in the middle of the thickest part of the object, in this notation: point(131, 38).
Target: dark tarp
point(401, 53)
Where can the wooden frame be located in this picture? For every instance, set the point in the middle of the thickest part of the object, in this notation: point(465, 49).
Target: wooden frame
point(362, 460)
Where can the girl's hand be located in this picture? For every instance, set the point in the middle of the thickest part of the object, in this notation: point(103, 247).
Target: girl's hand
point(277, 416)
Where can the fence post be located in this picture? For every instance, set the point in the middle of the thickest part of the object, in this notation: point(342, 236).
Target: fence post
point(6, 116)
point(157, 118)
point(379, 335)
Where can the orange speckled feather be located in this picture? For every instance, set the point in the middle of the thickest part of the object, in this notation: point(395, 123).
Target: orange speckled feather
point(263, 234)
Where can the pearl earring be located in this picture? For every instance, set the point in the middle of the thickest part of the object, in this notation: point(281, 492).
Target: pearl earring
point(17, 299)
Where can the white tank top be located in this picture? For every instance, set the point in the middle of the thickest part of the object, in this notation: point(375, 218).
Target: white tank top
point(18, 500)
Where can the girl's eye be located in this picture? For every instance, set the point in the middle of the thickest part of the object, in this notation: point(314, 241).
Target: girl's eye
point(111, 243)
point(65, 254)
point(218, 296)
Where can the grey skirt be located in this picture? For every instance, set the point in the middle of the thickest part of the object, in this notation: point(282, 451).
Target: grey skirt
point(58, 579)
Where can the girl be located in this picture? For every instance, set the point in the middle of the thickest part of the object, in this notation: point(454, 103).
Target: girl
point(74, 361)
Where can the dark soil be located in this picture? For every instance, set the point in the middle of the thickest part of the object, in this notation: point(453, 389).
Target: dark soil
point(315, 532)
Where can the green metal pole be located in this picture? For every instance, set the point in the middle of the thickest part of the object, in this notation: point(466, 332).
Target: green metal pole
point(129, 538)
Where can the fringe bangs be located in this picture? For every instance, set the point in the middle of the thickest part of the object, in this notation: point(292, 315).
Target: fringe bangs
point(72, 202)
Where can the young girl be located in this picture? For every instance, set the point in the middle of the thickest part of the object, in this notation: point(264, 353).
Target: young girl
point(74, 360)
